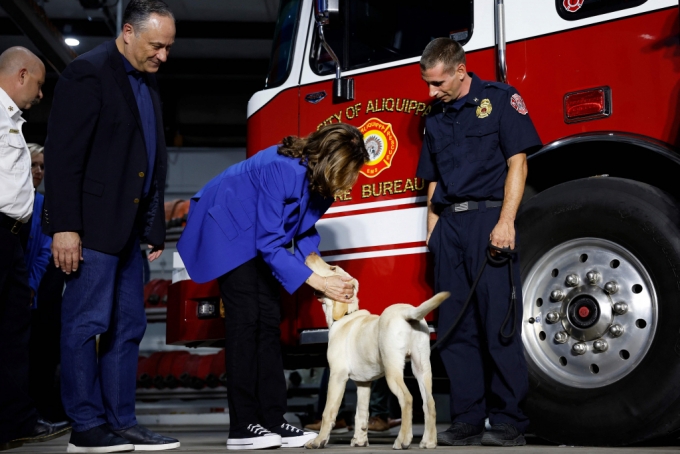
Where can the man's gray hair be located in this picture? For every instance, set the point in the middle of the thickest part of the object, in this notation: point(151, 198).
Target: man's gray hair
point(442, 50)
point(137, 12)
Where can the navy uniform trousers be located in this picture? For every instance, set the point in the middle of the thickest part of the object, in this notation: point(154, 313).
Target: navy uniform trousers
point(488, 373)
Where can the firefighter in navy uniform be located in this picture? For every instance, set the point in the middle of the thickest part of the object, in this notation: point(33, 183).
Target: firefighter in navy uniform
point(477, 138)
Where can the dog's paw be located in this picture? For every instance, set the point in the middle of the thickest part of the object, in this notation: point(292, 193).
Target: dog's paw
point(317, 443)
point(359, 442)
point(428, 444)
point(399, 444)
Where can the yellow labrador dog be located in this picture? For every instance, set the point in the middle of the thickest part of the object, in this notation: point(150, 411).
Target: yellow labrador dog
point(365, 347)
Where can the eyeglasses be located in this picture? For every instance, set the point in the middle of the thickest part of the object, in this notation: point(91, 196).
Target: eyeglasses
point(35, 165)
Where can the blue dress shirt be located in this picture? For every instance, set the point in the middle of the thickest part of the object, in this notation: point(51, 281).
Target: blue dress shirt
point(147, 115)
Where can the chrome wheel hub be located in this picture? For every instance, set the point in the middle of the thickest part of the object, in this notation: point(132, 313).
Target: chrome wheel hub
point(590, 312)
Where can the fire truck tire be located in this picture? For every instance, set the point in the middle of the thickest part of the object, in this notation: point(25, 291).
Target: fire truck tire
point(629, 391)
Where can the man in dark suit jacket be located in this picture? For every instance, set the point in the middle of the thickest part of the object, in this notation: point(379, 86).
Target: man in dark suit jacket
point(104, 196)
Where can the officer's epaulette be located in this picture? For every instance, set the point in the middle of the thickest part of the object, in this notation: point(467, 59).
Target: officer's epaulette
point(499, 85)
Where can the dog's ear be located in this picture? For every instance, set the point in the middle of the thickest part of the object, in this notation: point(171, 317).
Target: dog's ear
point(339, 310)
point(309, 257)
point(354, 303)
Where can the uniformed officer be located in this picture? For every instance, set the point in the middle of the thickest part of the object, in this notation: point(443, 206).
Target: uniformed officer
point(21, 77)
point(474, 156)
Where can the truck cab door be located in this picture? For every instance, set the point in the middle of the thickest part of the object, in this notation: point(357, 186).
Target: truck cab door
point(376, 231)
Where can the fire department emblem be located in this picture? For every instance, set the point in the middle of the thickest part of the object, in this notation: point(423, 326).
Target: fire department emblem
point(518, 103)
point(484, 109)
point(381, 144)
point(573, 5)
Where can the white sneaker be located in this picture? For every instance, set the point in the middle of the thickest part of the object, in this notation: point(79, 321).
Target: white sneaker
point(253, 437)
point(291, 436)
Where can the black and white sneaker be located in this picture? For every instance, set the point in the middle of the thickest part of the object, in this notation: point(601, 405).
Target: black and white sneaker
point(291, 436)
point(253, 437)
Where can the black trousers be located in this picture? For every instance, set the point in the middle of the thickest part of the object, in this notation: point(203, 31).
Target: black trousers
point(488, 373)
point(17, 412)
point(45, 354)
point(256, 385)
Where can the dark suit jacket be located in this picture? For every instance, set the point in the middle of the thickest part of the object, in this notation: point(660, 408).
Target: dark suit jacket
point(95, 156)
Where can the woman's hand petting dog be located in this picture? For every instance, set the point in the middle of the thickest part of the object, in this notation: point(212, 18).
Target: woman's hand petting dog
point(338, 288)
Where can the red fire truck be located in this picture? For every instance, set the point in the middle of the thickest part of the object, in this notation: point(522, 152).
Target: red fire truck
point(600, 223)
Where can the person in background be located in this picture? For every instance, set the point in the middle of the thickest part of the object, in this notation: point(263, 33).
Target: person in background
point(251, 228)
point(22, 75)
point(382, 401)
point(47, 284)
point(38, 251)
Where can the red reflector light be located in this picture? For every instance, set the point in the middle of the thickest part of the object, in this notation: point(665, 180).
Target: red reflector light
point(587, 104)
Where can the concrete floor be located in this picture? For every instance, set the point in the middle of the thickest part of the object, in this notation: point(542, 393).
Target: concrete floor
point(210, 439)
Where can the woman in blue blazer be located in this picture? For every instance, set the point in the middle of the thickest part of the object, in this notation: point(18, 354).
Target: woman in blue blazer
point(251, 228)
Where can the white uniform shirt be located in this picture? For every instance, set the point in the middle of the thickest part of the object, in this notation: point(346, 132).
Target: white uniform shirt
point(16, 181)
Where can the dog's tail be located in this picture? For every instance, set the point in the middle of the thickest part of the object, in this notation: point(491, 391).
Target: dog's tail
point(419, 313)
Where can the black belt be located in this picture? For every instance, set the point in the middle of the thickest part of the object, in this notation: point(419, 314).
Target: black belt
point(12, 224)
point(473, 205)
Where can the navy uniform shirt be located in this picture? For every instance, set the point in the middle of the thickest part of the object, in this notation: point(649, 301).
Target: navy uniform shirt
point(468, 142)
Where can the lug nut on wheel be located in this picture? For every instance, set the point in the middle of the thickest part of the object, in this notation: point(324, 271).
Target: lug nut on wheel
point(611, 287)
point(557, 295)
point(593, 277)
point(552, 317)
point(600, 345)
point(561, 337)
point(572, 280)
point(620, 308)
point(580, 348)
point(616, 330)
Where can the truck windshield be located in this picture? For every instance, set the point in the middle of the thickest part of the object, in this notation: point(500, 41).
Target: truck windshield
point(371, 32)
point(284, 43)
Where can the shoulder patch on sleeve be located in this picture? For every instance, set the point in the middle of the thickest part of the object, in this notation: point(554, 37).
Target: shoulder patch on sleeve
point(518, 103)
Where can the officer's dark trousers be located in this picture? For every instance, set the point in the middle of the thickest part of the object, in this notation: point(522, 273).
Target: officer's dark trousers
point(256, 385)
point(17, 412)
point(488, 373)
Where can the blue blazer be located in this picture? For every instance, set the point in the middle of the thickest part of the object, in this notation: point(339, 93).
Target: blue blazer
point(256, 207)
point(38, 252)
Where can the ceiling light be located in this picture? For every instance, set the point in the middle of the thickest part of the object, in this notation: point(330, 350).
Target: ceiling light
point(71, 42)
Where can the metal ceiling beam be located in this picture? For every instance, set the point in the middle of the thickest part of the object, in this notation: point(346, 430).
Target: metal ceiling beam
point(34, 23)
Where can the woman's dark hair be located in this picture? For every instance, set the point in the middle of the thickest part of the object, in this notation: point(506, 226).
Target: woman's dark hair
point(334, 154)
point(138, 12)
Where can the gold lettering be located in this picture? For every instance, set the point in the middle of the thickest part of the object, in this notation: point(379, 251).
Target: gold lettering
point(347, 195)
point(369, 107)
point(422, 184)
point(421, 107)
point(412, 105)
point(357, 108)
point(427, 111)
point(387, 106)
point(379, 190)
point(403, 104)
point(409, 185)
point(350, 112)
point(387, 187)
point(365, 191)
point(338, 116)
point(397, 186)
